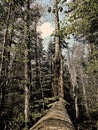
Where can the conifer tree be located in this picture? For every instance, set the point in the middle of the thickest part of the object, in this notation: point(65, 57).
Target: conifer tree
point(58, 74)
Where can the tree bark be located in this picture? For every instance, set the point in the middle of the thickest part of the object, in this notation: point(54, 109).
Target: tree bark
point(61, 89)
point(84, 81)
point(27, 64)
point(58, 70)
point(56, 118)
point(73, 74)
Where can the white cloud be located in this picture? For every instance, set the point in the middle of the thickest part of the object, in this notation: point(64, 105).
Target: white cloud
point(68, 1)
point(46, 29)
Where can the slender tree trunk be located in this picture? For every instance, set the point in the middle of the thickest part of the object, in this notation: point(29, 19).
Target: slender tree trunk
point(61, 89)
point(75, 88)
point(58, 79)
point(36, 56)
point(75, 95)
point(27, 90)
point(84, 84)
point(27, 64)
point(76, 107)
point(85, 99)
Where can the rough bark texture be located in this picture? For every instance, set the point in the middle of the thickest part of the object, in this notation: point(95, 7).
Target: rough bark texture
point(56, 118)
point(27, 63)
point(61, 88)
point(57, 50)
point(58, 69)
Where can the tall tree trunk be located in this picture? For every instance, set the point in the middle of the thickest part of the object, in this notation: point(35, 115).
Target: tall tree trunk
point(73, 74)
point(27, 90)
point(36, 56)
point(76, 106)
point(58, 79)
point(84, 81)
point(61, 89)
point(27, 64)
point(85, 99)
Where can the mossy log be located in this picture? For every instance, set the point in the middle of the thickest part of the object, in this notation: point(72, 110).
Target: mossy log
point(56, 118)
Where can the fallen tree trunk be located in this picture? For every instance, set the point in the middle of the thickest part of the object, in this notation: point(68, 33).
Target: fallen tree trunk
point(56, 118)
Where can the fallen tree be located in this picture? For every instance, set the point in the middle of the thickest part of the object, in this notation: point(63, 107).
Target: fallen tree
point(56, 118)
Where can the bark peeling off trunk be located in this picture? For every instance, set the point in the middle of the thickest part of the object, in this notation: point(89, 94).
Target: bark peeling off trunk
point(57, 118)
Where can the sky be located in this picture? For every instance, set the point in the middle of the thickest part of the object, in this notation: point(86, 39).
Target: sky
point(47, 27)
